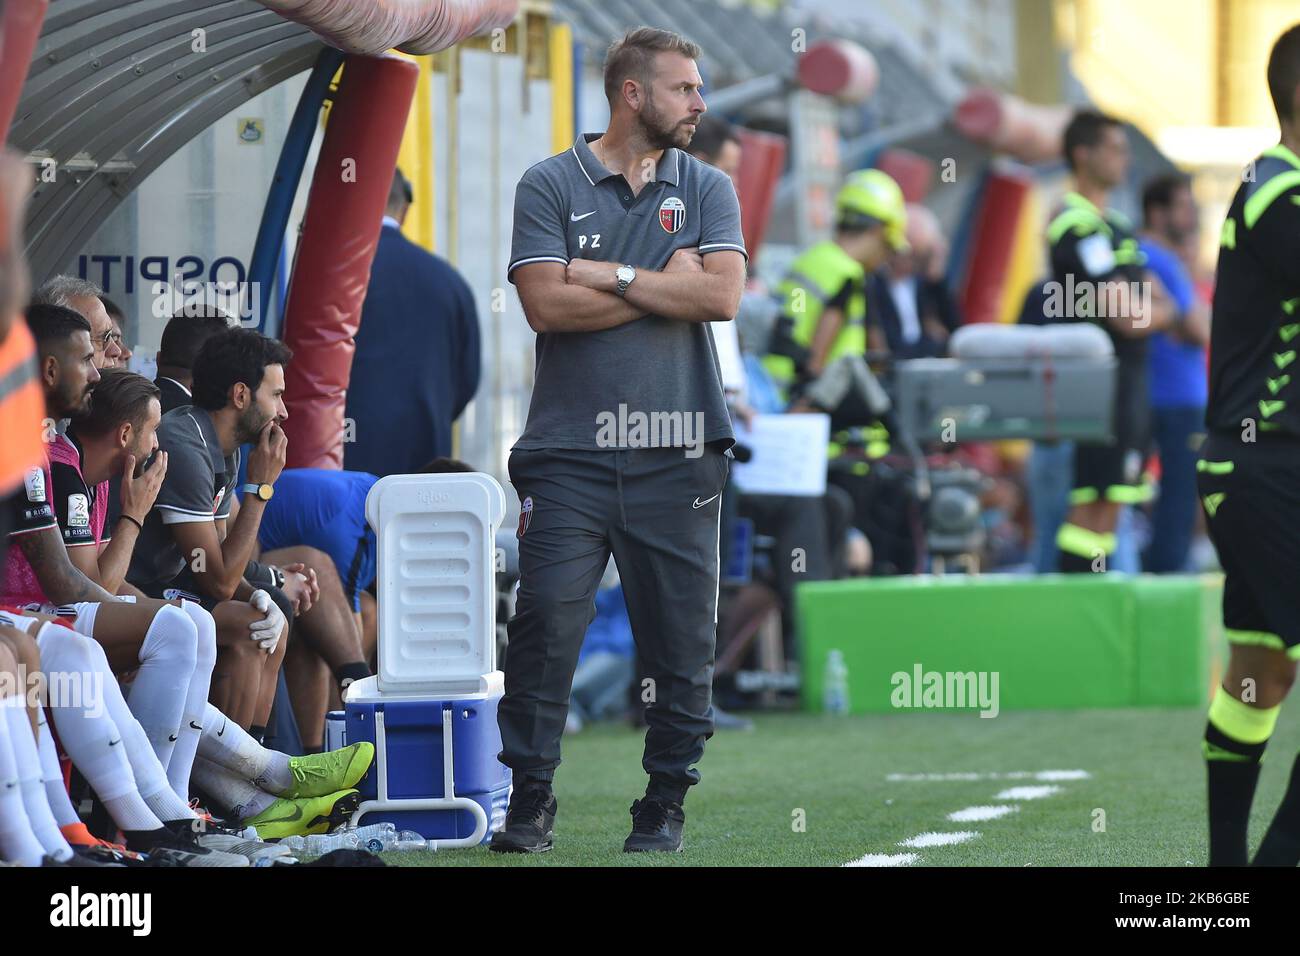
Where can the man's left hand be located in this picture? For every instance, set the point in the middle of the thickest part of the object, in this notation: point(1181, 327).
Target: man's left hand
point(300, 587)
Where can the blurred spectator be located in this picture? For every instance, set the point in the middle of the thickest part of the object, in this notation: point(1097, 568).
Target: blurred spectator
point(817, 525)
point(83, 296)
point(716, 143)
point(1093, 248)
point(416, 365)
point(824, 293)
point(1177, 369)
point(910, 302)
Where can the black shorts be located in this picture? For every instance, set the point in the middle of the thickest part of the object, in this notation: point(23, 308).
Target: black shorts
point(1251, 498)
point(184, 586)
point(181, 586)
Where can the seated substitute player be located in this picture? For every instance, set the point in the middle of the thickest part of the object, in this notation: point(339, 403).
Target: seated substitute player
point(187, 547)
point(1100, 274)
point(28, 830)
point(183, 336)
point(118, 432)
point(1247, 478)
point(158, 641)
point(110, 748)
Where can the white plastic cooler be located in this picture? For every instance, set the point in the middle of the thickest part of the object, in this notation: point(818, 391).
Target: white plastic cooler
point(431, 709)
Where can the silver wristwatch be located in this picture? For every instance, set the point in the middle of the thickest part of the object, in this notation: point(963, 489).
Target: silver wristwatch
point(625, 275)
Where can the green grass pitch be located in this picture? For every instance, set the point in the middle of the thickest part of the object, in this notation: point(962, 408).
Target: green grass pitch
point(804, 790)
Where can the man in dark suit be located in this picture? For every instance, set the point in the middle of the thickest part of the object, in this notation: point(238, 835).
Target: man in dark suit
point(416, 365)
point(908, 304)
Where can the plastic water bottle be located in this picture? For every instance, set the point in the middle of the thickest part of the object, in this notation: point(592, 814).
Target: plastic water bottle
point(410, 840)
point(295, 843)
point(376, 837)
point(835, 688)
point(318, 844)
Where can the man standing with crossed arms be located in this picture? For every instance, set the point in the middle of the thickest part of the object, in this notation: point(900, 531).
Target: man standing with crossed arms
point(625, 248)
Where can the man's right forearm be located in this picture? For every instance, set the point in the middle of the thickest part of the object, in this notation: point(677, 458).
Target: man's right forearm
point(575, 308)
point(55, 572)
point(115, 559)
point(237, 550)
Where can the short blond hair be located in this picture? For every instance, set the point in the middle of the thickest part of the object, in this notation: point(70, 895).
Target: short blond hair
point(633, 55)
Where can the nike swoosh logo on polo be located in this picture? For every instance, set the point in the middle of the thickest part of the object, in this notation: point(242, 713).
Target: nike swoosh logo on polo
point(700, 504)
point(297, 815)
point(172, 738)
point(573, 218)
point(194, 726)
point(114, 743)
point(223, 729)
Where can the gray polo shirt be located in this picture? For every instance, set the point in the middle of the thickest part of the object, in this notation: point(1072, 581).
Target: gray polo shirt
point(657, 372)
point(199, 486)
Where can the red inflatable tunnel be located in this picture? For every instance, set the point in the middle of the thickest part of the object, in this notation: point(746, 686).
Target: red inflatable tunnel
point(340, 233)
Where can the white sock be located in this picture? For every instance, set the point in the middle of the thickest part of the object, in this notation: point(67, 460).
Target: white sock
point(56, 792)
point(196, 699)
point(150, 777)
point(234, 796)
point(227, 744)
point(23, 744)
point(18, 844)
point(167, 661)
point(88, 732)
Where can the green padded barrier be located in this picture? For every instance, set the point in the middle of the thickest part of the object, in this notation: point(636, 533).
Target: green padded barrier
point(1179, 631)
point(1054, 641)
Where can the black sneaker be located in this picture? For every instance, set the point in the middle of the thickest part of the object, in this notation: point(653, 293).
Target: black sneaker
point(656, 826)
point(176, 845)
point(530, 821)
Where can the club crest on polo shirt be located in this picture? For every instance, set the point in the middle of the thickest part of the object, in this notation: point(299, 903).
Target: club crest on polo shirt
point(78, 511)
point(525, 516)
point(34, 481)
point(672, 214)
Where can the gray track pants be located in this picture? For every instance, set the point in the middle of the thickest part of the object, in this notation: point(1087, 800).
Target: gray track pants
point(656, 510)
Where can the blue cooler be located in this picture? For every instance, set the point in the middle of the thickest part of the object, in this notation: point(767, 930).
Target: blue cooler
point(411, 748)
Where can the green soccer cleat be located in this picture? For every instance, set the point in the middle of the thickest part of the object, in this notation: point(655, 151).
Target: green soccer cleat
point(304, 816)
point(318, 774)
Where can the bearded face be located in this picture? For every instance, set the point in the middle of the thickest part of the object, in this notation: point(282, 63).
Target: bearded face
point(250, 423)
point(663, 128)
point(673, 104)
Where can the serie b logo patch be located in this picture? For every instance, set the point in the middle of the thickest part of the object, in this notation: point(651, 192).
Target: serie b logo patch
point(672, 214)
point(525, 516)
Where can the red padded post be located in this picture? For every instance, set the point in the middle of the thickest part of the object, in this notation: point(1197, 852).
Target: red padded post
point(340, 233)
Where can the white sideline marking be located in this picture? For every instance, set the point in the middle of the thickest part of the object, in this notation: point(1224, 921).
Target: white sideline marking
point(939, 839)
point(1027, 793)
point(969, 814)
point(1014, 775)
point(884, 859)
point(1061, 775)
point(977, 814)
